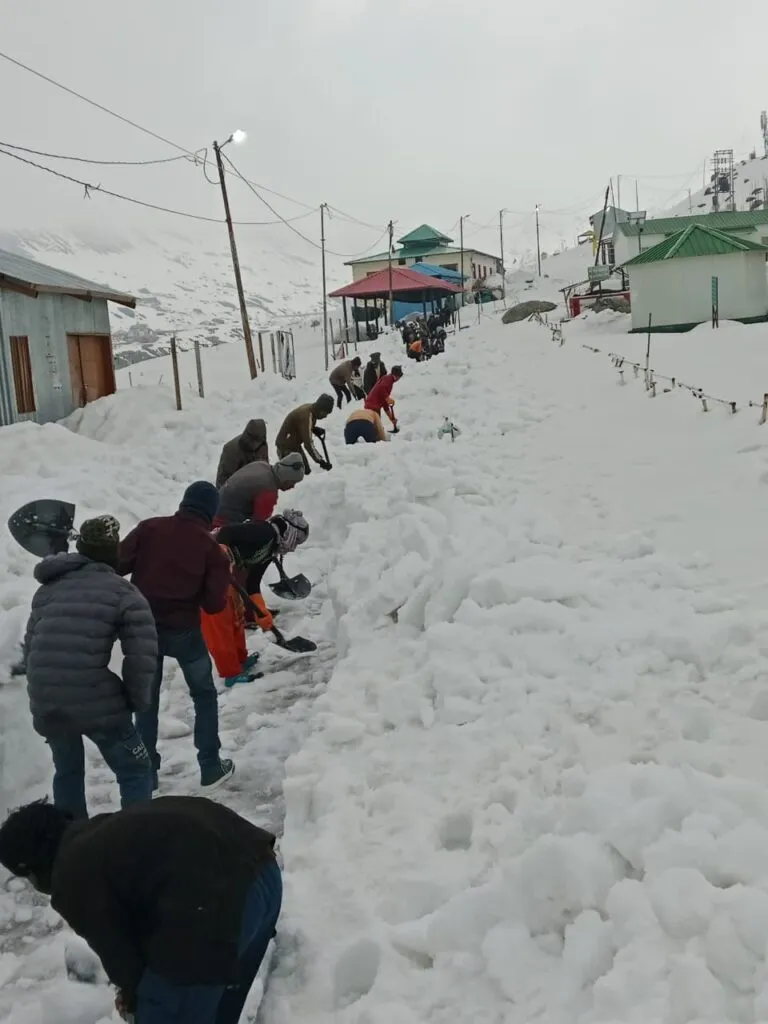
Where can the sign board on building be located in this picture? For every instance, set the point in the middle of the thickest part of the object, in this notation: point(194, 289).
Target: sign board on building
point(715, 302)
point(599, 273)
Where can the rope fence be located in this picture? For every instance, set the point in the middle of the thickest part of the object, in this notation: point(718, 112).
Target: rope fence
point(654, 382)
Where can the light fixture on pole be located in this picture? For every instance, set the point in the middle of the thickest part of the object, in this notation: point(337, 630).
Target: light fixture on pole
point(538, 241)
point(236, 137)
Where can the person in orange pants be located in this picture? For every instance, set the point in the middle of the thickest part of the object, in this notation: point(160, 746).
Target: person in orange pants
point(251, 547)
point(224, 635)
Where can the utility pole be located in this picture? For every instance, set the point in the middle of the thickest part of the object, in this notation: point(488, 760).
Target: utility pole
point(618, 190)
point(461, 265)
point(391, 230)
point(501, 249)
point(323, 207)
point(637, 197)
point(538, 241)
point(236, 265)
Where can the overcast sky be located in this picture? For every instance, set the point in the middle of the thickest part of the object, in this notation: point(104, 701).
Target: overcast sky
point(418, 110)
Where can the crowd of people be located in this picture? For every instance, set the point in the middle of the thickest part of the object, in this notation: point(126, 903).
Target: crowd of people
point(178, 896)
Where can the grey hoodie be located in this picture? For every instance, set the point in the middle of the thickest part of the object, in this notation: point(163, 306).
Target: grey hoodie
point(80, 610)
point(250, 446)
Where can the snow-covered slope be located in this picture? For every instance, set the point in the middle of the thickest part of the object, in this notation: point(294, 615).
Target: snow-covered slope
point(532, 781)
point(184, 282)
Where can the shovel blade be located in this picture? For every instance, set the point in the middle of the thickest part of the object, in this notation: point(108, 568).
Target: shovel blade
point(43, 527)
point(295, 588)
point(299, 645)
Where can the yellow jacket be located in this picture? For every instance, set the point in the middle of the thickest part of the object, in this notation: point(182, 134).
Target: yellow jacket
point(370, 417)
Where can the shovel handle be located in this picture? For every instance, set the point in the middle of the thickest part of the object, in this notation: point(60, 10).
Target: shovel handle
point(279, 638)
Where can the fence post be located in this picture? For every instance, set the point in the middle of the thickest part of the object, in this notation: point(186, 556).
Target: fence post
point(333, 340)
point(261, 350)
point(764, 417)
point(199, 367)
point(175, 365)
point(272, 346)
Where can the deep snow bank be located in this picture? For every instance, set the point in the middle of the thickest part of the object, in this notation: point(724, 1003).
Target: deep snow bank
point(539, 793)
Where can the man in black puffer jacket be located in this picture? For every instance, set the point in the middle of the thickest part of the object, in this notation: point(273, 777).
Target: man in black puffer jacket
point(179, 898)
point(80, 610)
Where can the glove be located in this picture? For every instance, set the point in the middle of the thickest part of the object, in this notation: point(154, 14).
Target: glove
point(307, 471)
point(326, 465)
point(264, 618)
point(319, 432)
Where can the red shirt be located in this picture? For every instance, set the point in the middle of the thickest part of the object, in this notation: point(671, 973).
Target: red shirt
point(380, 392)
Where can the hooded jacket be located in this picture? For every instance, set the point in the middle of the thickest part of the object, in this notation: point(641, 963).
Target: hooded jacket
point(250, 446)
point(251, 493)
point(161, 886)
point(373, 373)
point(80, 610)
point(296, 432)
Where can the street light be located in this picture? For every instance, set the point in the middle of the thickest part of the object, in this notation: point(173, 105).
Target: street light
point(236, 137)
point(638, 218)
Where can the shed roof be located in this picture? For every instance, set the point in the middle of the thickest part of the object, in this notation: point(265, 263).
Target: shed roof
point(726, 220)
point(695, 240)
point(404, 282)
point(424, 235)
point(33, 278)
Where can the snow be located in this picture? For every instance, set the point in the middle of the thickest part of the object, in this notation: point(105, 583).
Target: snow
point(524, 777)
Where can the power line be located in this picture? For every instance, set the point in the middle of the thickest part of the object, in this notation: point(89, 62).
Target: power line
point(88, 160)
point(90, 188)
point(309, 241)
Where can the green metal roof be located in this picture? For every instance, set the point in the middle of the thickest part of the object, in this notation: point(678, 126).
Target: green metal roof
point(431, 250)
point(424, 235)
point(695, 240)
point(741, 220)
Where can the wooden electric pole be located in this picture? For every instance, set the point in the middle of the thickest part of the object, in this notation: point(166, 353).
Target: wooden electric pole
point(391, 229)
point(236, 265)
point(538, 241)
point(501, 250)
point(323, 207)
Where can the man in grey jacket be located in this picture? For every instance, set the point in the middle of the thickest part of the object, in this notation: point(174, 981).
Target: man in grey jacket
point(81, 608)
point(250, 446)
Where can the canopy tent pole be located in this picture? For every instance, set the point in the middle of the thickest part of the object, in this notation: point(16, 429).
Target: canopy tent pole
point(346, 321)
point(357, 320)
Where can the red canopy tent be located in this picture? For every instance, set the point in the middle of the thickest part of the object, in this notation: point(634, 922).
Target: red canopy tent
point(400, 282)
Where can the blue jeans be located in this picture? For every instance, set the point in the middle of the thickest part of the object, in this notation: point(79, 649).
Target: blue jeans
point(123, 751)
point(161, 1002)
point(187, 647)
point(360, 428)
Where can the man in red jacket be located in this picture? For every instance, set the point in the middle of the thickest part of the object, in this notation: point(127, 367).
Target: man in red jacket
point(180, 569)
point(380, 396)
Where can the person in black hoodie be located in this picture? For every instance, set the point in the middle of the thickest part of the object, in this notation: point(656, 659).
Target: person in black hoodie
point(178, 897)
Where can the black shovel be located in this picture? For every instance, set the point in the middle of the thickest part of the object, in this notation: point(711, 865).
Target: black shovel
point(291, 588)
point(44, 527)
point(297, 644)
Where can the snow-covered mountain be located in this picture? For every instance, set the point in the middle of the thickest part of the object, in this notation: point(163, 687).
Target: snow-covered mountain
point(184, 285)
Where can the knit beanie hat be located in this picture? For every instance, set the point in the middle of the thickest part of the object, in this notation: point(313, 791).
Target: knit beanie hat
point(290, 469)
point(202, 499)
point(292, 530)
point(397, 371)
point(99, 539)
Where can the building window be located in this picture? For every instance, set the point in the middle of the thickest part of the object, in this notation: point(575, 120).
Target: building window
point(419, 259)
point(452, 266)
point(22, 375)
point(474, 270)
point(401, 263)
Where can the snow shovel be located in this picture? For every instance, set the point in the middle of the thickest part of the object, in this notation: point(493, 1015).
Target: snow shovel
point(291, 588)
point(44, 527)
point(297, 644)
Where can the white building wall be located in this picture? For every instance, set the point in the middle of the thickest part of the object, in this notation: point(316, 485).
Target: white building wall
point(626, 246)
point(680, 291)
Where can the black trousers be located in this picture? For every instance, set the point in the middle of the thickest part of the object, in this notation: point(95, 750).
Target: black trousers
point(342, 391)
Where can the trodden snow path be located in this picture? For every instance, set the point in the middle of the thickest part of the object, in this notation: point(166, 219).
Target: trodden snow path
point(534, 785)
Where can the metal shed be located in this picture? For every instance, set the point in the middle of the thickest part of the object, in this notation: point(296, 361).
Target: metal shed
point(55, 340)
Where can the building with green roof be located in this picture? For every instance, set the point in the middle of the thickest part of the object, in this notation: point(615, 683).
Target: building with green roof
point(676, 281)
point(427, 245)
point(630, 238)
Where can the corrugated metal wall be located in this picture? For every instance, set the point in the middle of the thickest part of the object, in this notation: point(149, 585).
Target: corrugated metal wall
point(46, 321)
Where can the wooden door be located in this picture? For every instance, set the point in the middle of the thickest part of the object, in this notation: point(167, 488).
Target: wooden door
point(91, 368)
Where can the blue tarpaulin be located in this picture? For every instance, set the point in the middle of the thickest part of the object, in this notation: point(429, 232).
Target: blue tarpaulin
point(404, 309)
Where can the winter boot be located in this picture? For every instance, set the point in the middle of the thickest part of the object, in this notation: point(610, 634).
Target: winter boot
point(250, 662)
point(215, 776)
point(243, 677)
